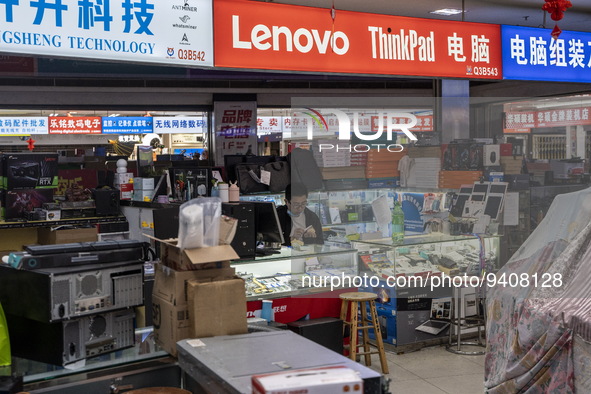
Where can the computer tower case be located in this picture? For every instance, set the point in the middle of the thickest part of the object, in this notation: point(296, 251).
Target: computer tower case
point(69, 341)
point(244, 242)
point(326, 331)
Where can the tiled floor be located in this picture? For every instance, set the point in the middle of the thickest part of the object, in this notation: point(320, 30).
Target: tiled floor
point(433, 370)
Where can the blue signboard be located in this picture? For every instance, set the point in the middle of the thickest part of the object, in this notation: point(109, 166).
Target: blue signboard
point(127, 125)
point(532, 54)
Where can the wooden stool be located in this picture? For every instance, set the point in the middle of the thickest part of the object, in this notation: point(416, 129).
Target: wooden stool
point(357, 300)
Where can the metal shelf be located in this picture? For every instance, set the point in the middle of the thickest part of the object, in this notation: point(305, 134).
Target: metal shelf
point(73, 221)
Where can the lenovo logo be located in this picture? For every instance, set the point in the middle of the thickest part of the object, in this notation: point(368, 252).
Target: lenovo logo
point(282, 38)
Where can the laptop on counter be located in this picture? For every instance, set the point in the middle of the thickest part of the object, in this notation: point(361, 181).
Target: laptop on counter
point(439, 317)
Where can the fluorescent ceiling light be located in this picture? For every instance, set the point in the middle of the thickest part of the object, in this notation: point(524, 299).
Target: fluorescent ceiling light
point(446, 11)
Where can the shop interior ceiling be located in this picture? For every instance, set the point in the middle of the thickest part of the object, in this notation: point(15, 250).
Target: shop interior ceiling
point(508, 12)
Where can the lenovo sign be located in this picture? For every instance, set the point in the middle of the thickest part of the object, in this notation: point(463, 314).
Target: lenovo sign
point(281, 38)
point(268, 36)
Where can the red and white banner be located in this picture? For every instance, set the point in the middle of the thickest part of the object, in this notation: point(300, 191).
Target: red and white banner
point(75, 125)
point(547, 118)
point(261, 35)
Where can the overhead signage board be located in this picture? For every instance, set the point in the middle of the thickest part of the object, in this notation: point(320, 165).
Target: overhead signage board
point(532, 54)
point(262, 35)
point(10, 125)
point(175, 32)
point(559, 117)
point(75, 125)
point(127, 125)
point(235, 128)
point(180, 125)
point(270, 128)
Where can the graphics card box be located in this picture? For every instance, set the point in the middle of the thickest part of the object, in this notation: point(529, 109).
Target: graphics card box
point(386, 309)
point(18, 202)
point(29, 171)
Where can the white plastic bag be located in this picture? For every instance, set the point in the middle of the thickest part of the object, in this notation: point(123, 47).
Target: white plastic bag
point(199, 223)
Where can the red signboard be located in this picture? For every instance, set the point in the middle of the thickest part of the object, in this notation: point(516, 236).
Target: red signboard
point(563, 117)
point(17, 64)
point(290, 309)
point(260, 35)
point(547, 118)
point(75, 125)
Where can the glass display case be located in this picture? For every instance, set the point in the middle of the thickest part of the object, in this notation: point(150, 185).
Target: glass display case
point(347, 215)
point(428, 255)
point(413, 307)
point(295, 271)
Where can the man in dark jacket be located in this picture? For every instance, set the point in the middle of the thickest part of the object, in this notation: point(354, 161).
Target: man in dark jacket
point(298, 222)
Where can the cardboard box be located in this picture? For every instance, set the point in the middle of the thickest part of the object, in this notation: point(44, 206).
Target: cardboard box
point(326, 380)
point(171, 324)
point(171, 285)
point(47, 236)
point(193, 259)
point(141, 195)
point(53, 214)
point(143, 183)
point(14, 239)
point(217, 308)
point(30, 170)
point(19, 202)
point(506, 149)
point(384, 183)
point(424, 151)
point(126, 191)
point(492, 155)
point(343, 172)
point(125, 177)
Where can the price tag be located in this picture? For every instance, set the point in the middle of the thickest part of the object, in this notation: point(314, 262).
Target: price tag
point(265, 177)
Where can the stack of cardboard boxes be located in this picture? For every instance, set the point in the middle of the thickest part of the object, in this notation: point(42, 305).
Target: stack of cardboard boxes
point(196, 295)
point(455, 179)
point(124, 182)
point(27, 181)
point(382, 168)
point(427, 164)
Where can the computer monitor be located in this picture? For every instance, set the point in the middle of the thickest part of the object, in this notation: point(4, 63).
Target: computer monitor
point(267, 226)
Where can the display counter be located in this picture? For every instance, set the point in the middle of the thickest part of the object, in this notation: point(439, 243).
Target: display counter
point(427, 254)
point(295, 272)
point(408, 279)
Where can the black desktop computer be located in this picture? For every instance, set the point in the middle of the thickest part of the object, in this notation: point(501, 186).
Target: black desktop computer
point(244, 242)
